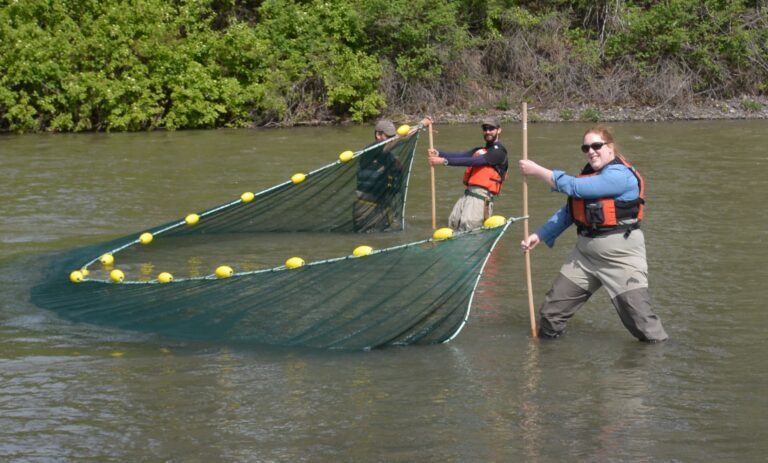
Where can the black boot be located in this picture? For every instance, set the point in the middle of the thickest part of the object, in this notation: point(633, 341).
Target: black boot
point(546, 334)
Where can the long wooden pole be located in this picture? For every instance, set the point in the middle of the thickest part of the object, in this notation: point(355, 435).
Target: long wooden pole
point(432, 181)
point(528, 278)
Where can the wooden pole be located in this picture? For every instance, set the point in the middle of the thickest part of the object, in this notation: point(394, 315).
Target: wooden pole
point(528, 278)
point(432, 181)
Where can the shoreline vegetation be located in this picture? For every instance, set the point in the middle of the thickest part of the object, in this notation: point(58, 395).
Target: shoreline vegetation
point(120, 65)
point(744, 108)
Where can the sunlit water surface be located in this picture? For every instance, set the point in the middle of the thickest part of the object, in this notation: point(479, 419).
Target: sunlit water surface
point(72, 391)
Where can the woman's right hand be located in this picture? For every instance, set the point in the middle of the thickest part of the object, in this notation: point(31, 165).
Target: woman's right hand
point(529, 243)
point(528, 167)
point(431, 152)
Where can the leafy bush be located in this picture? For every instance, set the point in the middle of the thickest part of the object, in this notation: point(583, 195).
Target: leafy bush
point(751, 106)
point(73, 65)
point(591, 115)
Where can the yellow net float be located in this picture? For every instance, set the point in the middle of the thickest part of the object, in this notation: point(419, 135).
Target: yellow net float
point(361, 251)
point(403, 130)
point(298, 178)
point(494, 221)
point(224, 271)
point(85, 271)
point(443, 234)
point(192, 219)
point(346, 156)
point(247, 197)
point(294, 262)
point(76, 276)
point(107, 259)
point(146, 238)
point(165, 277)
point(117, 276)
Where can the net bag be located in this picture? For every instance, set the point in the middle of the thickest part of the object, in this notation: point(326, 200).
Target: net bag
point(417, 293)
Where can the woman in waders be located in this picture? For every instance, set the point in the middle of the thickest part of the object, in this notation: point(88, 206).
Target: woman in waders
point(606, 203)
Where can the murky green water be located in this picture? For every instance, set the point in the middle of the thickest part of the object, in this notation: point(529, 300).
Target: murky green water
point(71, 391)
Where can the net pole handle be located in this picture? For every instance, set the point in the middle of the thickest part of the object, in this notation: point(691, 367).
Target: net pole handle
point(432, 181)
point(528, 277)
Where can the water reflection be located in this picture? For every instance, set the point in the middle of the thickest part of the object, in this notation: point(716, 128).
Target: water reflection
point(532, 420)
point(493, 394)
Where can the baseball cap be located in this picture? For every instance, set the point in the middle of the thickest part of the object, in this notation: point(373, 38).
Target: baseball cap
point(386, 126)
point(492, 121)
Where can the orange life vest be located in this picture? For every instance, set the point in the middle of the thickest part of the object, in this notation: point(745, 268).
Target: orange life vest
point(488, 177)
point(596, 216)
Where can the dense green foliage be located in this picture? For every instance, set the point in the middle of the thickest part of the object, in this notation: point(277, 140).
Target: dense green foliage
point(72, 65)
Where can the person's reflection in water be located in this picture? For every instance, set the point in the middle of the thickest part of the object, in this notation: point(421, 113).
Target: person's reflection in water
point(626, 406)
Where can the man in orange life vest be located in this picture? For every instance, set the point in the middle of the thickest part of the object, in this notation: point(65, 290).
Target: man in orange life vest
point(486, 169)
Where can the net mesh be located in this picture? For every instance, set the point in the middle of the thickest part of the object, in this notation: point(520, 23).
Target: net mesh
point(418, 293)
point(364, 194)
point(415, 293)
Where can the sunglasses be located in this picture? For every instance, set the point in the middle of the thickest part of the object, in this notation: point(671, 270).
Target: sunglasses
point(488, 128)
point(595, 146)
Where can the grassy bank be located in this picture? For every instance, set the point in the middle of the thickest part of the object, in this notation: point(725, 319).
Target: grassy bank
point(75, 65)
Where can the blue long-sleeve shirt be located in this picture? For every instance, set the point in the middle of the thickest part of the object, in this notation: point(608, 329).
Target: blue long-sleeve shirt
point(613, 181)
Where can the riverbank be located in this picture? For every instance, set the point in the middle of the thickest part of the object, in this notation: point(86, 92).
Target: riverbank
point(745, 107)
point(752, 107)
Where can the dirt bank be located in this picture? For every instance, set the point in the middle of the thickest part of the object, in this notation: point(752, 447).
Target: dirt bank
point(753, 107)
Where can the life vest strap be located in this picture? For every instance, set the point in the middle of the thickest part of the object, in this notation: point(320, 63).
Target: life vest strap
point(595, 232)
point(477, 195)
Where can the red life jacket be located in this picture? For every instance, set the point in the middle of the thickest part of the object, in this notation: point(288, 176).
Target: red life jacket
point(487, 177)
point(596, 216)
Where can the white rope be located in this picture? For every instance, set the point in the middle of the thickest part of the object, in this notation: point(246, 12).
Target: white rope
point(260, 193)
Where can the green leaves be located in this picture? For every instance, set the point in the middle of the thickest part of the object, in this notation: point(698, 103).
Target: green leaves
point(73, 65)
point(710, 37)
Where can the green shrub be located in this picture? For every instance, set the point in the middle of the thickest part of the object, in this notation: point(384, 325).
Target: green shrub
point(503, 104)
point(591, 115)
point(74, 65)
point(751, 105)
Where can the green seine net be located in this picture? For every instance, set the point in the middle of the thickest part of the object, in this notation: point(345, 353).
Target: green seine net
point(418, 293)
point(364, 194)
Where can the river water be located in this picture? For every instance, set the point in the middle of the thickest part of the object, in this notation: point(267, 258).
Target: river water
point(78, 392)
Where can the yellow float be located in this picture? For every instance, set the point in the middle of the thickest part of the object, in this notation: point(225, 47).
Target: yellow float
point(346, 156)
point(494, 221)
point(294, 262)
point(224, 272)
point(76, 276)
point(443, 234)
point(361, 251)
point(117, 276)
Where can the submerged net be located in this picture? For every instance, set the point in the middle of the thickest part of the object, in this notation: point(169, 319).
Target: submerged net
point(418, 293)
